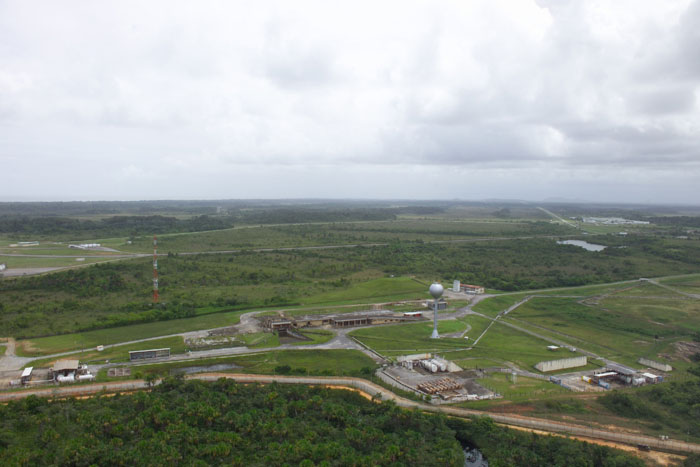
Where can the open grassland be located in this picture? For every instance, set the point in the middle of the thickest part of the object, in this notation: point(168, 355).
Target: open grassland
point(522, 389)
point(84, 340)
point(384, 289)
point(688, 284)
point(119, 353)
point(645, 289)
point(511, 346)
point(494, 305)
point(477, 325)
point(400, 339)
point(623, 328)
point(118, 294)
point(341, 233)
point(20, 262)
point(312, 362)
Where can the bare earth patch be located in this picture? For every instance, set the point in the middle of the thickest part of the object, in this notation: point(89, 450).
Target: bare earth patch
point(684, 350)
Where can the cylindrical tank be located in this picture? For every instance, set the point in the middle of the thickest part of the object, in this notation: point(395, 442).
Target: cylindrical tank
point(86, 377)
point(586, 378)
point(603, 384)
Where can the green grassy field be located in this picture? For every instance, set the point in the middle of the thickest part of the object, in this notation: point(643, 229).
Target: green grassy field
point(313, 362)
point(410, 338)
point(617, 327)
point(494, 305)
point(383, 289)
point(63, 343)
point(338, 233)
point(3, 349)
point(118, 354)
point(509, 345)
point(17, 262)
point(523, 389)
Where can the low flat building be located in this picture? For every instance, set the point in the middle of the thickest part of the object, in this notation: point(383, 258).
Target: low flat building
point(136, 355)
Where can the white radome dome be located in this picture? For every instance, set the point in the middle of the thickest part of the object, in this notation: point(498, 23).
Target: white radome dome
point(436, 290)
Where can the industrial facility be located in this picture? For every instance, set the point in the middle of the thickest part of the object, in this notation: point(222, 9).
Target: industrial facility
point(70, 371)
point(430, 375)
point(137, 355)
point(279, 324)
point(469, 289)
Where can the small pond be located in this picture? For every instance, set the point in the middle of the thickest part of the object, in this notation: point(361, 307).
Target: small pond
point(583, 244)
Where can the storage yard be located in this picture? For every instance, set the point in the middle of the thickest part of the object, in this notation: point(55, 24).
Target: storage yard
point(436, 377)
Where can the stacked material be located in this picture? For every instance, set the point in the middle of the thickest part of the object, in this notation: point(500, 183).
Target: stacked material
point(441, 385)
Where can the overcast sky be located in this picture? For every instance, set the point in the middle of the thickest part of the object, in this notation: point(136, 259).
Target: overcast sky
point(593, 100)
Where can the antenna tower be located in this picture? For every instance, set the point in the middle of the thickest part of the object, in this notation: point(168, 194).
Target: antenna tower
point(155, 269)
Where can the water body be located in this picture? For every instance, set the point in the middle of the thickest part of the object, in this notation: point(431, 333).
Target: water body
point(583, 244)
point(203, 369)
point(474, 458)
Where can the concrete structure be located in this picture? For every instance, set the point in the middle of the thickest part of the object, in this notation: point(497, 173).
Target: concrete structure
point(652, 378)
point(136, 355)
point(277, 324)
point(26, 375)
point(655, 365)
point(457, 286)
point(623, 370)
point(85, 246)
point(472, 289)
point(553, 365)
point(343, 320)
point(68, 371)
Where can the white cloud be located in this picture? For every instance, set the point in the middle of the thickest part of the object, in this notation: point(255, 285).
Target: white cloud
point(353, 98)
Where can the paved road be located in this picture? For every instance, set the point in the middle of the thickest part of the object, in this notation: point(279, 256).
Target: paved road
point(372, 389)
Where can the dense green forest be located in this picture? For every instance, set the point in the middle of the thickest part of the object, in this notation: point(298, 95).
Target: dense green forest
point(505, 448)
point(118, 293)
point(196, 423)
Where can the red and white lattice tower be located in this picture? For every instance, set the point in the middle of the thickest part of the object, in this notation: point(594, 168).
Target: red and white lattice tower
point(155, 269)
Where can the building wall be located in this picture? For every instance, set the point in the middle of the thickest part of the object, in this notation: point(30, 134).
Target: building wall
point(553, 365)
point(655, 365)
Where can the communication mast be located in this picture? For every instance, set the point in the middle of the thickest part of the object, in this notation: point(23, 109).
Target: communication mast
point(155, 269)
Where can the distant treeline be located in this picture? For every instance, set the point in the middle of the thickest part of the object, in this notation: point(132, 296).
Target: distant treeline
point(675, 221)
point(125, 225)
point(111, 226)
